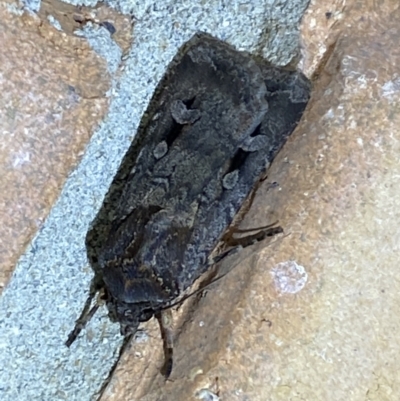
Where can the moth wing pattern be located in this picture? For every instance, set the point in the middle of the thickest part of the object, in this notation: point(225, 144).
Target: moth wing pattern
point(216, 121)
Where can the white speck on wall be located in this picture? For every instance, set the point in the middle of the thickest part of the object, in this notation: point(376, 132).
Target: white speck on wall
point(141, 337)
point(207, 395)
point(391, 88)
point(289, 277)
point(54, 22)
point(20, 158)
point(330, 114)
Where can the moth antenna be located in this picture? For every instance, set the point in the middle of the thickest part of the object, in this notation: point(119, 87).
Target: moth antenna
point(86, 315)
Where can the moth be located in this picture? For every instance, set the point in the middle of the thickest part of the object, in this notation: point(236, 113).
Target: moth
point(215, 122)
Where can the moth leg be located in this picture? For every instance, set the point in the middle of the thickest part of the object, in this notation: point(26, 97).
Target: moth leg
point(249, 230)
point(86, 315)
point(223, 255)
point(263, 232)
point(237, 244)
point(165, 321)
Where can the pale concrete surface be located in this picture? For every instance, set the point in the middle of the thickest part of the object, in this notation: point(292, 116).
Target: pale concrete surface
point(53, 91)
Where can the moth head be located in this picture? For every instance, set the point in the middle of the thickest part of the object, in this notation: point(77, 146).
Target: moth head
point(133, 293)
point(129, 316)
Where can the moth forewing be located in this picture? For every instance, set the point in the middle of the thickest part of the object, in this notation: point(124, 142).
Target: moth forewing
point(217, 119)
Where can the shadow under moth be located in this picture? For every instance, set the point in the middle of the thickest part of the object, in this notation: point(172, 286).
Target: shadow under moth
point(216, 121)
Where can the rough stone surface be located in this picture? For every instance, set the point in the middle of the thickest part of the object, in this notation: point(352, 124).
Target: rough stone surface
point(47, 291)
point(53, 91)
point(315, 314)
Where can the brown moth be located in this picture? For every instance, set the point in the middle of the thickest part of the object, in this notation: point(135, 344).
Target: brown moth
point(215, 123)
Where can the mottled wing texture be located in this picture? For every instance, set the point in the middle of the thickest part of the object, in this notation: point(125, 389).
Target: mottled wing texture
point(215, 123)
